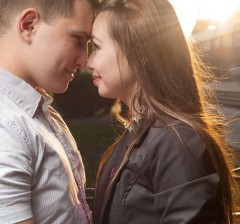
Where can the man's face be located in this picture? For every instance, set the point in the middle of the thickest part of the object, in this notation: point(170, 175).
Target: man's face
point(59, 49)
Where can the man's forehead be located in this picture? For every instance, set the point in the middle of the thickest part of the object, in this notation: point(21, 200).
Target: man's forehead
point(83, 10)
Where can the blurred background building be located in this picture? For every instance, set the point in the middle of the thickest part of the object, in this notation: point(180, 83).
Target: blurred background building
point(219, 45)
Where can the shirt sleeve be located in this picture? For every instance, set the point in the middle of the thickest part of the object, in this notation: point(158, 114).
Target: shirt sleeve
point(185, 186)
point(15, 174)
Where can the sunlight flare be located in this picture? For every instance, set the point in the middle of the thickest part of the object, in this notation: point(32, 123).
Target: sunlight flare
point(189, 11)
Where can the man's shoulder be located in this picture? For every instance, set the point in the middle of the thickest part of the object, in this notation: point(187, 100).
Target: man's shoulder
point(15, 123)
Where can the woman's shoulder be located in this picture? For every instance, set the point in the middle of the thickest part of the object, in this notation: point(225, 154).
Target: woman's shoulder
point(174, 130)
point(176, 141)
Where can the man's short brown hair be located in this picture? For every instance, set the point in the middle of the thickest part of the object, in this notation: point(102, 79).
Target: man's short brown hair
point(48, 9)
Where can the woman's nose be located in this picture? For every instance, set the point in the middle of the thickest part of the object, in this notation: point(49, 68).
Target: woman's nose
point(89, 62)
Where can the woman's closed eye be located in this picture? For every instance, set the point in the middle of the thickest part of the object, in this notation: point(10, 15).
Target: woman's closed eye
point(95, 46)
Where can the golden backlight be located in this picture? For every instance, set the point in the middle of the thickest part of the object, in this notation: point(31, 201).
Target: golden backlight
point(189, 11)
point(218, 10)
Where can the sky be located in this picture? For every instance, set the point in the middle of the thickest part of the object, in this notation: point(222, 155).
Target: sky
point(189, 11)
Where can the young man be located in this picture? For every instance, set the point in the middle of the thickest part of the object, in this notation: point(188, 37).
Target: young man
point(42, 44)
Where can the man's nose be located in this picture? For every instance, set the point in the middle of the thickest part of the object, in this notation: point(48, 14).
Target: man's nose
point(81, 60)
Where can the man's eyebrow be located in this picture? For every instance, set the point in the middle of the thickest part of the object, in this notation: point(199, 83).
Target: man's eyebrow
point(82, 33)
point(86, 35)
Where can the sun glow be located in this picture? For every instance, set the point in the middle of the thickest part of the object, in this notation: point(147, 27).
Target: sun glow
point(218, 10)
point(189, 11)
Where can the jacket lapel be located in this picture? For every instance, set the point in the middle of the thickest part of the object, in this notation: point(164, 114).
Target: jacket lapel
point(112, 162)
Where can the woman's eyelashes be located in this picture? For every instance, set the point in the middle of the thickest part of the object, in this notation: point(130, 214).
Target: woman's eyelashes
point(95, 46)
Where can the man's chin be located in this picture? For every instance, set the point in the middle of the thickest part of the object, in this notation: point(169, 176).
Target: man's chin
point(59, 90)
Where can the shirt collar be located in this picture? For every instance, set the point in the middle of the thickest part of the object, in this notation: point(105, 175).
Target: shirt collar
point(22, 93)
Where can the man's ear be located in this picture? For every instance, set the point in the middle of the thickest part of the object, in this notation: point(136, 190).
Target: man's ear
point(27, 23)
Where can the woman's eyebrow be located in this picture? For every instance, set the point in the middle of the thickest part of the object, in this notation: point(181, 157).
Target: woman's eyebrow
point(94, 37)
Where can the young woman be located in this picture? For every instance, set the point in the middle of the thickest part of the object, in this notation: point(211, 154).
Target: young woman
point(172, 164)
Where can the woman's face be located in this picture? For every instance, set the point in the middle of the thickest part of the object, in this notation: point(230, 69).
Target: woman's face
point(111, 72)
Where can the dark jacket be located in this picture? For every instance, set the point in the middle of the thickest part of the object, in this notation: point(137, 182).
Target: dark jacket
point(167, 179)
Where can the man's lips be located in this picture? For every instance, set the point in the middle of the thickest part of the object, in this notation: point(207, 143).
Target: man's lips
point(71, 73)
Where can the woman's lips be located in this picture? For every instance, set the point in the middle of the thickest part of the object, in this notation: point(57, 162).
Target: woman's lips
point(96, 79)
